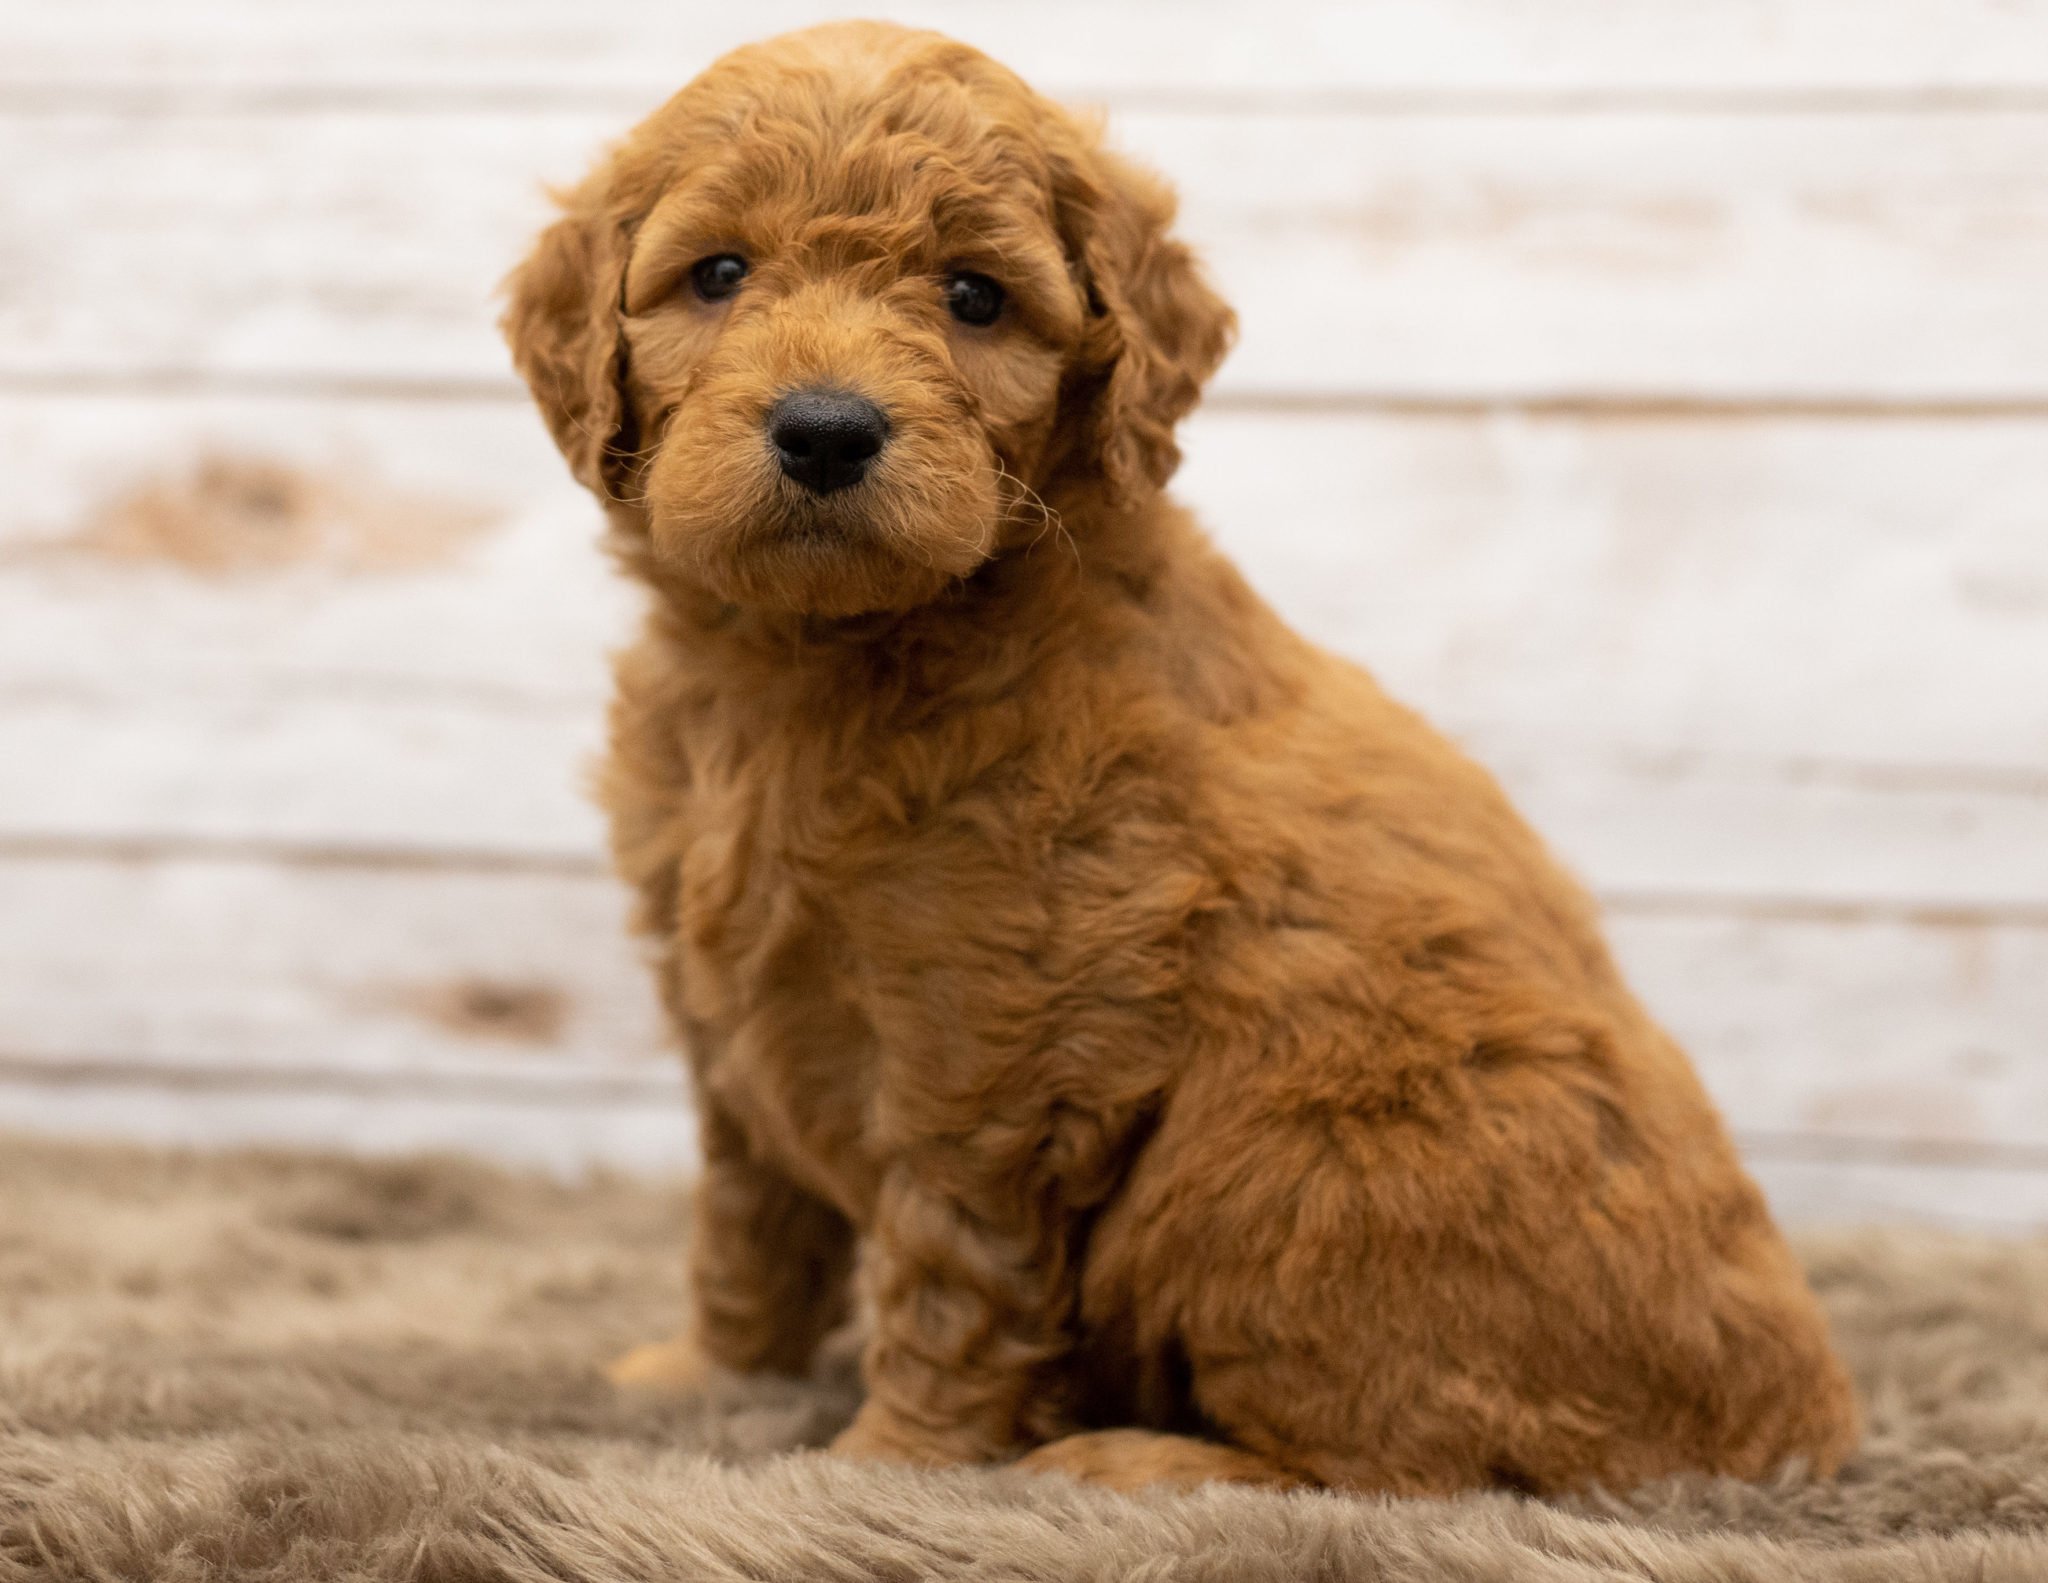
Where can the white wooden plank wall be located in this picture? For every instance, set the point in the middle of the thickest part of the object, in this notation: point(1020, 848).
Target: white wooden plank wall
point(1658, 396)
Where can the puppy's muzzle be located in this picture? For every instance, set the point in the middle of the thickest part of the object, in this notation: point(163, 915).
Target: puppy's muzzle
point(825, 439)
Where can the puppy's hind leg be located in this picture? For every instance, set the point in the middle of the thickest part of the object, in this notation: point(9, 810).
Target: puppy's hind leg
point(1130, 1459)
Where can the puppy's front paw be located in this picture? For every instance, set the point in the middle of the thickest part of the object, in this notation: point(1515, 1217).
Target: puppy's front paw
point(676, 1367)
point(874, 1436)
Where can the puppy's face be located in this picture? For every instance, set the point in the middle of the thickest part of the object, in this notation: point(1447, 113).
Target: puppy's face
point(828, 323)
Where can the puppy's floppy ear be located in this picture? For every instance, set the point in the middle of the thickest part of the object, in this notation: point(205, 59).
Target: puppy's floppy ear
point(562, 323)
point(1157, 330)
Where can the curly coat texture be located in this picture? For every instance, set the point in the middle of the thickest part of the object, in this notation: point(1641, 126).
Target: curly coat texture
point(1214, 1075)
point(271, 1369)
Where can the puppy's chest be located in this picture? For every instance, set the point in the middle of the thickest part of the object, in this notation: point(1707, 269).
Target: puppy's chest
point(768, 981)
point(883, 938)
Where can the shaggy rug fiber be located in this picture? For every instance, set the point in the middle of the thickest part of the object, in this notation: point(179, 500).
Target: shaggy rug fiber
point(289, 1367)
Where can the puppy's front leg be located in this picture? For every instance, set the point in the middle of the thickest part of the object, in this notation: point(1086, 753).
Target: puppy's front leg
point(769, 1264)
point(769, 1261)
point(970, 1294)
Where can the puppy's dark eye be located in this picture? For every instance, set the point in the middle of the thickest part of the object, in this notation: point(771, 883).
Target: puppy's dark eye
point(973, 299)
point(718, 276)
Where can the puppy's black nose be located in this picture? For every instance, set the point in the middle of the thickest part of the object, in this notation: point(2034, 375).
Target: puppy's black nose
point(826, 438)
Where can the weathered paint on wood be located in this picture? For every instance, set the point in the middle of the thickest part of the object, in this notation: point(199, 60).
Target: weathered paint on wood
point(1657, 398)
point(1182, 48)
point(571, 1136)
point(1762, 660)
point(441, 979)
point(1862, 257)
point(332, 968)
point(563, 1133)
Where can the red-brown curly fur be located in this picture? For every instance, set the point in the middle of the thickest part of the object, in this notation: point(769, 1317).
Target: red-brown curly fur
point(1215, 1075)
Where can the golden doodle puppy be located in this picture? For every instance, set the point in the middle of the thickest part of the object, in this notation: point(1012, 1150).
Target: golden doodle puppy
point(1193, 1062)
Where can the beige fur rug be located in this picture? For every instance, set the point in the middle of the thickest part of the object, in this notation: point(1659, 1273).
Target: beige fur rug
point(287, 1367)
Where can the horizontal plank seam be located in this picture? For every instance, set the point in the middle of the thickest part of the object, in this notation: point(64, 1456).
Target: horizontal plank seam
point(52, 96)
point(1604, 405)
point(636, 1089)
point(365, 858)
point(1626, 405)
point(287, 853)
point(1988, 780)
point(471, 695)
point(1622, 761)
point(661, 1082)
point(1837, 1149)
point(1885, 911)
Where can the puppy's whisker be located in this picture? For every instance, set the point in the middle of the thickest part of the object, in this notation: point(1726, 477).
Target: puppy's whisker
point(1049, 519)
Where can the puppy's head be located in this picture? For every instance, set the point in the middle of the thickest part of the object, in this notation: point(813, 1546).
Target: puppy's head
point(824, 326)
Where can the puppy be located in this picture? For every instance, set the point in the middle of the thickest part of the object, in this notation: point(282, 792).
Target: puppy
point(1214, 1076)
